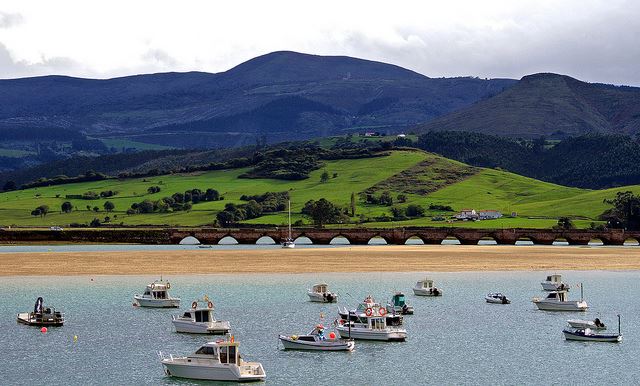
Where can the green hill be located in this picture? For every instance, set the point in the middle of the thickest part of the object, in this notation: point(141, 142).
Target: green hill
point(424, 178)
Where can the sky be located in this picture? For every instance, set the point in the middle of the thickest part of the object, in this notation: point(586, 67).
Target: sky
point(592, 40)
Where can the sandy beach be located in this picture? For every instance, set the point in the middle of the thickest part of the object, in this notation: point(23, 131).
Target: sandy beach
point(346, 259)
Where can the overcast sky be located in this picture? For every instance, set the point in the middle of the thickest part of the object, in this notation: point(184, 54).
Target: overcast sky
point(592, 40)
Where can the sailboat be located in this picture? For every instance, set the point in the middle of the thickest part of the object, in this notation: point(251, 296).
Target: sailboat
point(288, 242)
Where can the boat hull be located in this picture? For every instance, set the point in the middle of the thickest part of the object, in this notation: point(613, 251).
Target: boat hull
point(387, 335)
point(319, 298)
point(613, 338)
point(26, 318)
point(326, 345)
point(561, 306)
point(209, 373)
point(426, 292)
point(214, 328)
point(157, 303)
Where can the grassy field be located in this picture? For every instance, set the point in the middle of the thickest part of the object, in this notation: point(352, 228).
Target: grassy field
point(537, 204)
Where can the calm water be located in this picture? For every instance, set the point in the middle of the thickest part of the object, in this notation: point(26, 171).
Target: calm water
point(455, 339)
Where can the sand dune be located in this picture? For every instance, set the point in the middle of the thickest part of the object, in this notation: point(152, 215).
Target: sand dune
point(345, 259)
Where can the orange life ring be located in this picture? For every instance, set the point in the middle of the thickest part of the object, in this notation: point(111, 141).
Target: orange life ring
point(341, 322)
point(368, 312)
point(210, 304)
point(382, 311)
point(194, 305)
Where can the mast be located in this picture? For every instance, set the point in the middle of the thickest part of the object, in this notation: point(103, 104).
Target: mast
point(581, 293)
point(619, 324)
point(289, 220)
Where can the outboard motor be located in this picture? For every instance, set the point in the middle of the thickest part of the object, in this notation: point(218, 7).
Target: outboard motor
point(405, 308)
point(329, 297)
point(37, 309)
point(436, 292)
point(504, 300)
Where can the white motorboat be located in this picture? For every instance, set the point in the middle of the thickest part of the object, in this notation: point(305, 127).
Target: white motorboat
point(554, 283)
point(320, 293)
point(497, 298)
point(398, 305)
point(288, 242)
point(157, 295)
point(359, 315)
point(426, 288)
point(558, 301)
point(587, 335)
point(214, 361)
point(316, 340)
point(583, 324)
point(42, 316)
point(372, 327)
point(200, 320)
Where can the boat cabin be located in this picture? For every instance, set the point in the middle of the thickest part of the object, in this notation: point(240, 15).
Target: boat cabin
point(398, 300)
point(224, 352)
point(377, 323)
point(320, 288)
point(426, 283)
point(560, 296)
point(157, 291)
point(199, 315)
point(554, 278)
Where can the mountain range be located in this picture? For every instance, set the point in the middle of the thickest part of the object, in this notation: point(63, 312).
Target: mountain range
point(281, 95)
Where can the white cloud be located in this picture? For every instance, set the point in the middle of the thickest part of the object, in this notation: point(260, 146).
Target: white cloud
point(593, 40)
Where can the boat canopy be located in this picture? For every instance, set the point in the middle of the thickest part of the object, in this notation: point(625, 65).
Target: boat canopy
point(322, 287)
point(399, 299)
point(556, 278)
point(426, 283)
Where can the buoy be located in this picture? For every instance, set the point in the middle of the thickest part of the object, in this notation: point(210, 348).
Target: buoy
point(332, 335)
point(75, 338)
point(43, 330)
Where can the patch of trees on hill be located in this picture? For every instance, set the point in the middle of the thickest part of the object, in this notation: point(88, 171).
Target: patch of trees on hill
point(593, 161)
point(60, 180)
point(176, 202)
point(256, 206)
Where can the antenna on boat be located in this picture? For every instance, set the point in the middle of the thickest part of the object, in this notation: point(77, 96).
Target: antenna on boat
point(581, 293)
point(619, 324)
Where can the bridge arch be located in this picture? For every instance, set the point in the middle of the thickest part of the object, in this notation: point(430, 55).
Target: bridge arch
point(414, 240)
point(560, 241)
point(265, 240)
point(340, 239)
point(488, 240)
point(596, 241)
point(524, 240)
point(189, 240)
point(303, 240)
point(631, 241)
point(377, 240)
point(451, 240)
point(228, 240)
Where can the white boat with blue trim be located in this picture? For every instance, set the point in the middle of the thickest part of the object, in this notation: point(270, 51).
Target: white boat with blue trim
point(317, 340)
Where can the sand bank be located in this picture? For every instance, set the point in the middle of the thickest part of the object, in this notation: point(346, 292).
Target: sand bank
point(345, 259)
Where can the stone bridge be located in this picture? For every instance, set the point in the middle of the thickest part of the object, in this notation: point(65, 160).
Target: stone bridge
point(356, 236)
point(363, 236)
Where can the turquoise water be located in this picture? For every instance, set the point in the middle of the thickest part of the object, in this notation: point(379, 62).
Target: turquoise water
point(455, 339)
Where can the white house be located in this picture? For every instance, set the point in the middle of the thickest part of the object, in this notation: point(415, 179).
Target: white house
point(467, 214)
point(489, 214)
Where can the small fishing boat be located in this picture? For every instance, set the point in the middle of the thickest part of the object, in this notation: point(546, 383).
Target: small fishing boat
point(157, 295)
point(213, 361)
point(316, 340)
point(558, 301)
point(288, 242)
point(582, 324)
point(42, 316)
point(205, 246)
point(372, 327)
point(554, 283)
point(587, 335)
point(320, 293)
point(200, 320)
point(426, 288)
point(399, 305)
point(359, 315)
point(497, 298)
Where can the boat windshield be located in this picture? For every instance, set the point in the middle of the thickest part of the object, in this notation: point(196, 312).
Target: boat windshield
point(399, 300)
point(378, 323)
point(206, 350)
point(160, 294)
